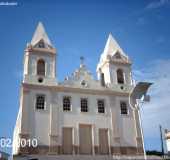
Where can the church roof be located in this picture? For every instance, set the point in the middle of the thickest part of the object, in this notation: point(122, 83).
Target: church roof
point(111, 50)
point(112, 47)
point(40, 34)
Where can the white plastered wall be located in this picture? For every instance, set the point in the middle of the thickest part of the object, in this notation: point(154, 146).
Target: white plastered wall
point(126, 123)
point(75, 117)
point(30, 68)
point(110, 73)
point(168, 145)
point(40, 121)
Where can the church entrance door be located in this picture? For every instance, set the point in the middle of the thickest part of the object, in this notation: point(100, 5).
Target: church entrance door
point(85, 137)
point(67, 140)
point(103, 141)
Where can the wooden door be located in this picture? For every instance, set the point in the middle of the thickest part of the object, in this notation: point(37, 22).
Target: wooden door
point(67, 141)
point(85, 139)
point(103, 141)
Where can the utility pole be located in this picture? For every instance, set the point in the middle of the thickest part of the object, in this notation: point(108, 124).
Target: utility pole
point(162, 145)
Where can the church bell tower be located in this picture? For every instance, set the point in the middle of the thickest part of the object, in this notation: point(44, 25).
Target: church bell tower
point(114, 67)
point(40, 59)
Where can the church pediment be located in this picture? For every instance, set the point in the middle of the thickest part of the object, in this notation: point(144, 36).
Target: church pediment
point(42, 44)
point(113, 53)
point(81, 78)
point(118, 57)
point(40, 38)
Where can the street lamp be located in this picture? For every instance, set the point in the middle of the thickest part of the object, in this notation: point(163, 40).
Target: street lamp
point(139, 92)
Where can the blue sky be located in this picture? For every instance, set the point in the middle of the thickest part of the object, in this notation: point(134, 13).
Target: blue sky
point(80, 28)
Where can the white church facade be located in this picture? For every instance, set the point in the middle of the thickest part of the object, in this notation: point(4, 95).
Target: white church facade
point(81, 115)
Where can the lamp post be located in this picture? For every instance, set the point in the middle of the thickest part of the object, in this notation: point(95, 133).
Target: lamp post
point(162, 145)
point(137, 93)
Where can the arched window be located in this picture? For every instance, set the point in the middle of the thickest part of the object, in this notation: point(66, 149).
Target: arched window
point(41, 67)
point(120, 76)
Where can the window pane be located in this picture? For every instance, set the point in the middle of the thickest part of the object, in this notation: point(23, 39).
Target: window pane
point(123, 107)
point(66, 104)
point(40, 102)
point(84, 105)
point(101, 107)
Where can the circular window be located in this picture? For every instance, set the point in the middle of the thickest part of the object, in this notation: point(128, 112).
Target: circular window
point(40, 80)
point(83, 83)
point(121, 87)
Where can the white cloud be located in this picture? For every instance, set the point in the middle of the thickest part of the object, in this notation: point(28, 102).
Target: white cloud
point(157, 111)
point(157, 4)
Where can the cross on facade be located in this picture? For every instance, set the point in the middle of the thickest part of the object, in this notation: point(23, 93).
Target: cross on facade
point(82, 60)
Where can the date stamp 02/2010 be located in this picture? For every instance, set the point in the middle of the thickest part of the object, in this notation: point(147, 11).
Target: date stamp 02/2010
point(21, 142)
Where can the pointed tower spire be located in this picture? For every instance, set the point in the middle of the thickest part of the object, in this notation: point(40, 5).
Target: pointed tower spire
point(40, 34)
point(113, 61)
point(112, 47)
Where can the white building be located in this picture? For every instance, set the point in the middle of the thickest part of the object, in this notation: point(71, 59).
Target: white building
point(167, 137)
point(80, 115)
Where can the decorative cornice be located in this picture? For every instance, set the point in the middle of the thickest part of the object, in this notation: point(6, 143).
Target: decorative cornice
point(114, 62)
point(60, 88)
point(31, 49)
point(106, 62)
point(120, 62)
point(26, 90)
